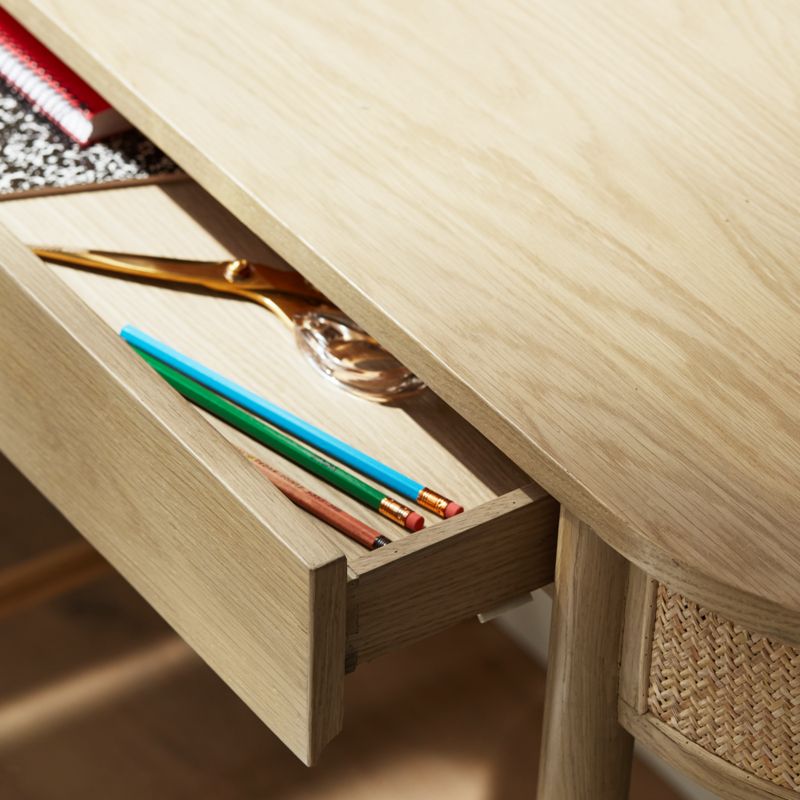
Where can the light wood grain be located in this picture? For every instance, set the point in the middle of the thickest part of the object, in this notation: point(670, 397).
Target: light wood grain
point(422, 585)
point(171, 505)
point(637, 639)
point(38, 579)
point(717, 775)
point(422, 437)
point(608, 192)
point(585, 752)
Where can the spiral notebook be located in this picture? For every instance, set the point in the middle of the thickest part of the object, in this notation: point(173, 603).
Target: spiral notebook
point(52, 87)
point(50, 120)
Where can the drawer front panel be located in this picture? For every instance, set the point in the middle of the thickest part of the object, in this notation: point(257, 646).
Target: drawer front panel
point(473, 563)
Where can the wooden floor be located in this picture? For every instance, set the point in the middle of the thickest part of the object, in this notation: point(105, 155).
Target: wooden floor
point(100, 701)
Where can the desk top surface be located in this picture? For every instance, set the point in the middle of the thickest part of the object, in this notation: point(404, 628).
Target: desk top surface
point(578, 221)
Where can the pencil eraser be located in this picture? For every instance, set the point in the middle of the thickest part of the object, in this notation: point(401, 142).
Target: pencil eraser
point(414, 522)
point(451, 509)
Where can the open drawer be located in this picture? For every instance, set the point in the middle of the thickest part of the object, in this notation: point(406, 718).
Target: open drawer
point(280, 605)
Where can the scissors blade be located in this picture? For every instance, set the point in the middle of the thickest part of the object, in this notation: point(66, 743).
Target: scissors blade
point(231, 276)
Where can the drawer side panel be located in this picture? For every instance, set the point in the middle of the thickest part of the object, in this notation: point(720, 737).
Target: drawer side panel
point(171, 505)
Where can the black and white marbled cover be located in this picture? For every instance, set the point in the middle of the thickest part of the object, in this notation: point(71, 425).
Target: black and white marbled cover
point(35, 157)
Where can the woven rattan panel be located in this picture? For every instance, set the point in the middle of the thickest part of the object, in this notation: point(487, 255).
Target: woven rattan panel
point(734, 693)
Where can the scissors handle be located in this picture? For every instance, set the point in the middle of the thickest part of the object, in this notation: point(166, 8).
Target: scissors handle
point(332, 342)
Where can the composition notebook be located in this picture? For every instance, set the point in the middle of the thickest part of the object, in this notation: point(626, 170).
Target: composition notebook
point(36, 158)
point(49, 121)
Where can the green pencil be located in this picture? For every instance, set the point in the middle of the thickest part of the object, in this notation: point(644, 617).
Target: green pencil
point(286, 446)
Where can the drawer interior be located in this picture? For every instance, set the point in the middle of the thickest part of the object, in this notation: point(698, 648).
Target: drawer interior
point(420, 437)
point(500, 547)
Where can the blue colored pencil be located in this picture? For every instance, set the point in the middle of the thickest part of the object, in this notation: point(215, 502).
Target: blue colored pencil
point(292, 424)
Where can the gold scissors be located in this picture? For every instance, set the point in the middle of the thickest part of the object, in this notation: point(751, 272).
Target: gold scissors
point(334, 344)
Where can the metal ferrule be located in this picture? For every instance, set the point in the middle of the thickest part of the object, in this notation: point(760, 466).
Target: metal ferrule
point(433, 501)
point(394, 511)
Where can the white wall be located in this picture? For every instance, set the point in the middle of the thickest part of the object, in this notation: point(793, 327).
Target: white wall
point(530, 626)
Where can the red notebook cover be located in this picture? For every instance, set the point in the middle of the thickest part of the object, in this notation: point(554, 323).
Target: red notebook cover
point(53, 88)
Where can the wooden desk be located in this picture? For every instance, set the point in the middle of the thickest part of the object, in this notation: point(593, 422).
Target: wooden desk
point(578, 224)
point(576, 221)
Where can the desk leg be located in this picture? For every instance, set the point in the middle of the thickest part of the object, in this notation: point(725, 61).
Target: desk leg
point(586, 754)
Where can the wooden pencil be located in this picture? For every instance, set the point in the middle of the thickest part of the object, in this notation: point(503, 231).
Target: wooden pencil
point(292, 424)
point(286, 446)
point(322, 509)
